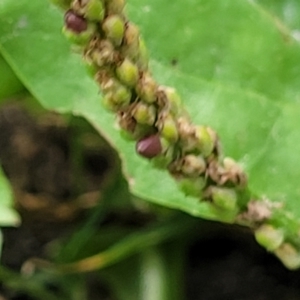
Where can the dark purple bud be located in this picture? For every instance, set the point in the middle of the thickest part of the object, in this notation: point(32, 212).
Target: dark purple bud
point(75, 22)
point(149, 146)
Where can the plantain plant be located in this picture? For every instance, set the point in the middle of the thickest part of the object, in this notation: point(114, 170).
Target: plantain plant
point(199, 98)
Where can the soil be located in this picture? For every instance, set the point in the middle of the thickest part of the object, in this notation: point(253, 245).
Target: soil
point(36, 157)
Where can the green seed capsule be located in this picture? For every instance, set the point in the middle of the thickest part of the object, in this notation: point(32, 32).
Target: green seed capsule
point(146, 88)
point(224, 198)
point(173, 100)
point(81, 38)
point(269, 237)
point(192, 165)
point(128, 73)
point(118, 99)
point(192, 186)
point(205, 143)
point(114, 6)
point(116, 96)
point(144, 114)
point(94, 10)
point(168, 128)
point(131, 42)
point(289, 256)
point(142, 59)
point(114, 28)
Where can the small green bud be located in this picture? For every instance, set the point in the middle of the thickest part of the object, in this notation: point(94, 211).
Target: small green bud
point(114, 28)
point(114, 6)
point(64, 4)
point(168, 128)
point(116, 96)
point(205, 143)
point(289, 256)
point(224, 198)
point(146, 88)
point(269, 237)
point(142, 59)
point(115, 101)
point(144, 114)
point(128, 73)
point(131, 42)
point(108, 102)
point(192, 186)
point(94, 10)
point(186, 134)
point(192, 165)
point(169, 98)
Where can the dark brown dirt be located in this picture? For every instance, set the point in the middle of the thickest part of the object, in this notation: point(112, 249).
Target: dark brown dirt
point(230, 265)
point(36, 157)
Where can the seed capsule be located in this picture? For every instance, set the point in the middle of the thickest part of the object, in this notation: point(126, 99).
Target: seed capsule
point(149, 146)
point(169, 99)
point(205, 143)
point(168, 128)
point(142, 59)
point(192, 165)
point(116, 96)
point(269, 237)
point(128, 73)
point(146, 88)
point(94, 10)
point(113, 101)
point(75, 22)
point(102, 53)
point(131, 41)
point(114, 28)
point(144, 114)
point(114, 6)
point(77, 30)
point(130, 129)
point(224, 198)
point(192, 186)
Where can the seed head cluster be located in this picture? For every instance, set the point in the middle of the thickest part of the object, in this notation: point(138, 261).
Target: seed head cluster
point(147, 112)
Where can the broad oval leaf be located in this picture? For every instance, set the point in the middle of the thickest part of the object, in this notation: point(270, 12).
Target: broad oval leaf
point(232, 60)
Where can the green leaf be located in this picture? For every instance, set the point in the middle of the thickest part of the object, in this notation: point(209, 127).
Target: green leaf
point(8, 216)
point(232, 60)
point(9, 84)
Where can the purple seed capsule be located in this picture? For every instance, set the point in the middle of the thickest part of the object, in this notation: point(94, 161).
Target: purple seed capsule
point(149, 146)
point(75, 22)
